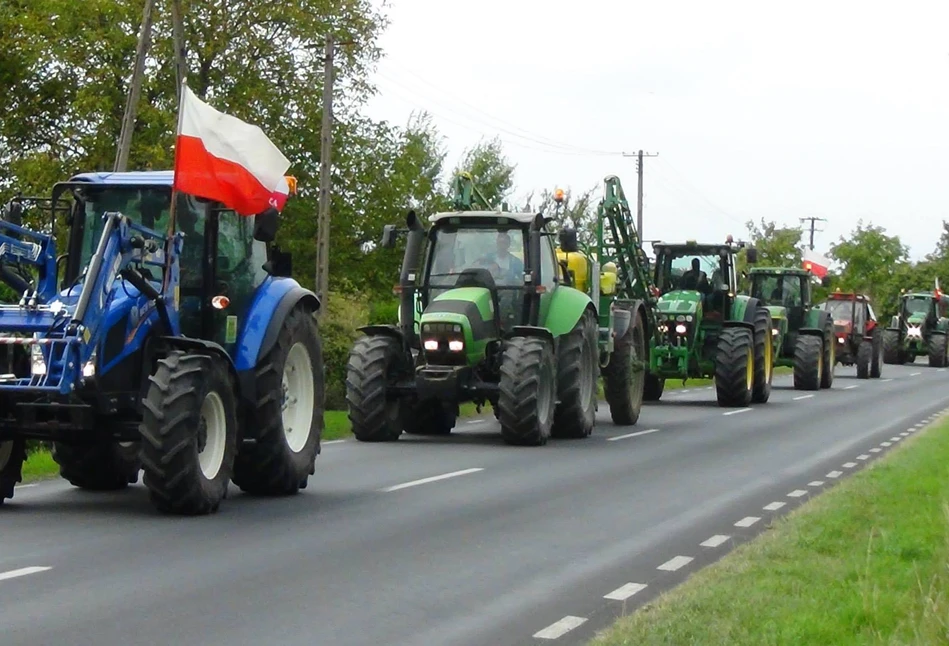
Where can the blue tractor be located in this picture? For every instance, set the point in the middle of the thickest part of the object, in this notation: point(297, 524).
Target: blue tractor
point(165, 340)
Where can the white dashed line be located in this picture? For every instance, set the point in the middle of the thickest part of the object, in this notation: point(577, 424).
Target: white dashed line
point(797, 493)
point(883, 381)
point(800, 397)
point(904, 433)
point(835, 474)
point(735, 412)
point(863, 456)
point(773, 506)
point(747, 521)
point(714, 541)
point(816, 483)
point(875, 450)
point(26, 486)
point(675, 563)
point(26, 571)
point(941, 370)
point(444, 476)
point(851, 387)
point(915, 374)
point(629, 435)
point(895, 438)
point(560, 628)
point(625, 592)
point(849, 465)
point(332, 442)
point(886, 444)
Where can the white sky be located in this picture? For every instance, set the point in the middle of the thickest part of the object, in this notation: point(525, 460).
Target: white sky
point(757, 109)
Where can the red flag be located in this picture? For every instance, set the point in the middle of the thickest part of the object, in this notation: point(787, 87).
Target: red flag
point(816, 263)
point(219, 157)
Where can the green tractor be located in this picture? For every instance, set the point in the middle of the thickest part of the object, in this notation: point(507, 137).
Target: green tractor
point(919, 329)
point(706, 329)
point(803, 333)
point(488, 315)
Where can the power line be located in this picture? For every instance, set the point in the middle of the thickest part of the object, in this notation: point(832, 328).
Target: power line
point(639, 190)
point(813, 220)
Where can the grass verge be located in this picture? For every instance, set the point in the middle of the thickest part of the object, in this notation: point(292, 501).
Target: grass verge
point(864, 563)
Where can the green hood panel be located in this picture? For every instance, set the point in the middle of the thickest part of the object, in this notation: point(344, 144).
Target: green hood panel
point(916, 318)
point(470, 307)
point(777, 311)
point(679, 302)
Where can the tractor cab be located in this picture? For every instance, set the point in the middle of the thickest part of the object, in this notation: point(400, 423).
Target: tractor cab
point(695, 280)
point(786, 292)
point(854, 322)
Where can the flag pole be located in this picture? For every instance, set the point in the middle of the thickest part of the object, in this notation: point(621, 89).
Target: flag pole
point(174, 180)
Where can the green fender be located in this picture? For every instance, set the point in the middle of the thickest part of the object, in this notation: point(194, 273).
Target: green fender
point(566, 307)
point(740, 308)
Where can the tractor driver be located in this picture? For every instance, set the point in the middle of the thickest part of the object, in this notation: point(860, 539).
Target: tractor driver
point(506, 267)
point(695, 278)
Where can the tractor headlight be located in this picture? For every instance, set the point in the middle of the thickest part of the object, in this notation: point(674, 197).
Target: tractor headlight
point(431, 345)
point(37, 362)
point(89, 370)
point(774, 331)
point(914, 332)
point(681, 328)
point(456, 346)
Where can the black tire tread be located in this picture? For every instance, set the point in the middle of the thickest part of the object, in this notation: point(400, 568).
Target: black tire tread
point(876, 364)
point(367, 375)
point(522, 365)
point(97, 467)
point(761, 392)
point(12, 472)
point(864, 358)
point(731, 364)
point(620, 389)
point(891, 347)
point(807, 354)
point(574, 418)
point(830, 352)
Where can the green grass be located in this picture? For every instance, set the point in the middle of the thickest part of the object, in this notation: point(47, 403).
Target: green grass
point(865, 563)
point(39, 465)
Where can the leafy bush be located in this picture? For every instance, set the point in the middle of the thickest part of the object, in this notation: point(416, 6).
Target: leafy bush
point(385, 312)
point(338, 330)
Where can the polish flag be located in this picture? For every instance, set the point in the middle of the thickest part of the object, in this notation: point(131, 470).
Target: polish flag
point(219, 157)
point(816, 263)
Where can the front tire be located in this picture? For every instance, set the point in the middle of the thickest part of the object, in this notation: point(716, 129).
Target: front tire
point(829, 356)
point(578, 367)
point(374, 362)
point(528, 391)
point(288, 419)
point(735, 367)
point(937, 351)
point(104, 466)
point(808, 362)
point(189, 433)
point(876, 364)
point(891, 347)
point(864, 358)
point(12, 457)
point(653, 387)
point(624, 376)
point(764, 357)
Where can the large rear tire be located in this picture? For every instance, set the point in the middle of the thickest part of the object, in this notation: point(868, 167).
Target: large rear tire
point(864, 359)
point(578, 368)
point(430, 418)
point(624, 376)
point(288, 420)
point(189, 433)
point(735, 367)
point(876, 364)
point(937, 351)
point(104, 466)
point(808, 362)
point(764, 356)
point(528, 391)
point(891, 347)
point(830, 354)
point(653, 387)
point(12, 457)
point(374, 362)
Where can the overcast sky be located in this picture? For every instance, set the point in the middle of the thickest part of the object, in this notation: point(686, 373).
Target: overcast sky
point(833, 109)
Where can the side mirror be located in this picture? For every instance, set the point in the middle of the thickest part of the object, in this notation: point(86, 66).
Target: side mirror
point(568, 241)
point(280, 264)
point(388, 236)
point(265, 225)
point(751, 254)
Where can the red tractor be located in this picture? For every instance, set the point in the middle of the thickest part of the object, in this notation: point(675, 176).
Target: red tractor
point(859, 337)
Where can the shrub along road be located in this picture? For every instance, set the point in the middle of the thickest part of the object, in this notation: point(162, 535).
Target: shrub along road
point(457, 540)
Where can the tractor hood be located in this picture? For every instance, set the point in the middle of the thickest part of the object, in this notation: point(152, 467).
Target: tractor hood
point(777, 312)
point(916, 318)
point(465, 312)
point(679, 302)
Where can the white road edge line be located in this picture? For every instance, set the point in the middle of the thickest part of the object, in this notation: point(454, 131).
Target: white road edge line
point(816, 483)
point(747, 521)
point(624, 592)
point(886, 444)
point(915, 374)
point(851, 387)
point(735, 412)
point(332, 442)
point(797, 493)
point(675, 563)
point(629, 435)
point(849, 465)
point(444, 476)
point(560, 628)
point(835, 474)
point(26, 486)
point(25, 571)
point(886, 380)
point(802, 397)
point(714, 541)
point(875, 449)
point(863, 456)
point(773, 506)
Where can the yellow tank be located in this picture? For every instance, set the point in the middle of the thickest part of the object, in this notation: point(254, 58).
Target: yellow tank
point(579, 267)
point(608, 279)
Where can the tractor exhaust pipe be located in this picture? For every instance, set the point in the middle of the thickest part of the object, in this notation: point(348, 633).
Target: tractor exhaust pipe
point(408, 278)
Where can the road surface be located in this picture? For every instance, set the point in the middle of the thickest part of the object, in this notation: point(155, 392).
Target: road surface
point(460, 541)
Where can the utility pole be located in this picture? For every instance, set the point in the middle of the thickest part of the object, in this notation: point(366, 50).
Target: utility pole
point(639, 191)
point(323, 215)
point(135, 90)
point(181, 55)
point(813, 221)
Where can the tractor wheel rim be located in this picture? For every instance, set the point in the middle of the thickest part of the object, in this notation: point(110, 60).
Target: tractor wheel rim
point(750, 372)
point(768, 358)
point(214, 421)
point(586, 374)
point(298, 398)
point(820, 364)
point(6, 452)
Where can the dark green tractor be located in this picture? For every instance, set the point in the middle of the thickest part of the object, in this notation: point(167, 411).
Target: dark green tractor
point(803, 333)
point(707, 329)
point(487, 315)
point(918, 330)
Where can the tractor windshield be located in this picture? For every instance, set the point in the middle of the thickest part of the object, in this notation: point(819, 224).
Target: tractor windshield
point(917, 305)
point(500, 251)
point(148, 206)
point(840, 310)
point(685, 270)
point(775, 289)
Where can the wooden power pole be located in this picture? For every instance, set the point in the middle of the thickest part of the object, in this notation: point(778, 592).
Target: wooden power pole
point(326, 141)
point(639, 191)
point(178, 33)
point(135, 90)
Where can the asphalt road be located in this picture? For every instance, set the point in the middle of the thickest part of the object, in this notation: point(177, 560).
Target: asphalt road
point(510, 546)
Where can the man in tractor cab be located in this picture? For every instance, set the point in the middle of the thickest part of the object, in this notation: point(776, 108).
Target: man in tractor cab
point(695, 278)
point(506, 268)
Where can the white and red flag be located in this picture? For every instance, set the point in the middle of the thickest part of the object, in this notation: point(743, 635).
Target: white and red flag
point(220, 157)
point(816, 263)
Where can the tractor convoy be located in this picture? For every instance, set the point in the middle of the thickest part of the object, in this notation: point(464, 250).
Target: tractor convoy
point(167, 335)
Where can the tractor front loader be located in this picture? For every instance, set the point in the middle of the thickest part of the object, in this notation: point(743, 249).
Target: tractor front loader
point(176, 344)
point(803, 333)
point(920, 329)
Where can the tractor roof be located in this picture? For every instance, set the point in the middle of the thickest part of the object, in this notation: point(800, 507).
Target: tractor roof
point(695, 247)
point(140, 178)
point(793, 271)
point(918, 295)
point(847, 296)
point(501, 217)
